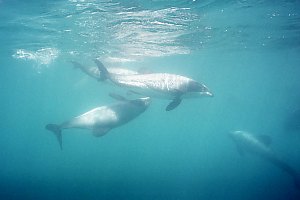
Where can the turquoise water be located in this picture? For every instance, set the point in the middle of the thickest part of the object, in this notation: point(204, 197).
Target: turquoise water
point(246, 52)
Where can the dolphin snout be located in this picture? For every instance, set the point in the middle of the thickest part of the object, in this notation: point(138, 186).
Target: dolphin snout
point(207, 93)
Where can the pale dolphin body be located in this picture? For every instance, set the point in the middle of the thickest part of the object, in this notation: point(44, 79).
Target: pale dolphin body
point(160, 85)
point(95, 73)
point(259, 145)
point(102, 119)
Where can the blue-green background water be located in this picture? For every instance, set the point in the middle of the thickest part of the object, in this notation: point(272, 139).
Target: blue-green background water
point(246, 52)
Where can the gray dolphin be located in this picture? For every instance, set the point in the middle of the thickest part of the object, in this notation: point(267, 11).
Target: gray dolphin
point(102, 119)
point(95, 73)
point(259, 145)
point(160, 85)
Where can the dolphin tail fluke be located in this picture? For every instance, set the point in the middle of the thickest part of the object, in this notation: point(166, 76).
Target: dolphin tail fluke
point(104, 74)
point(57, 132)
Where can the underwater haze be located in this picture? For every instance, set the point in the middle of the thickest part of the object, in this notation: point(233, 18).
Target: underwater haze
point(246, 52)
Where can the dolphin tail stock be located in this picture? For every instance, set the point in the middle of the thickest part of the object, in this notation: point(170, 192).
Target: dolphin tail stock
point(104, 72)
point(56, 129)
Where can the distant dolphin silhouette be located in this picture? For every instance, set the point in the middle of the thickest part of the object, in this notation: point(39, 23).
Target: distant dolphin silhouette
point(102, 119)
point(259, 145)
point(161, 85)
point(95, 73)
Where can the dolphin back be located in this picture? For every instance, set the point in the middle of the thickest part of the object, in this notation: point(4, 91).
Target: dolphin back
point(104, 74)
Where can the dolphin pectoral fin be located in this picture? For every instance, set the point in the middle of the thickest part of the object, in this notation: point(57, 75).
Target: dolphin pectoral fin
point(173, 104)
point(57, 132)
point(267, 140)
point(100, 131)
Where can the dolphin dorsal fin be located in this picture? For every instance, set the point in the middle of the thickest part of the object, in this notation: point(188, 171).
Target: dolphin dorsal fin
point(267, 140)
point(104, 74)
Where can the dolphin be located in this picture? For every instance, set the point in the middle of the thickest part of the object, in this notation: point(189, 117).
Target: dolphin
point(160, 85)
point(102, 119)
point(95, 73)
point(259, 145)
